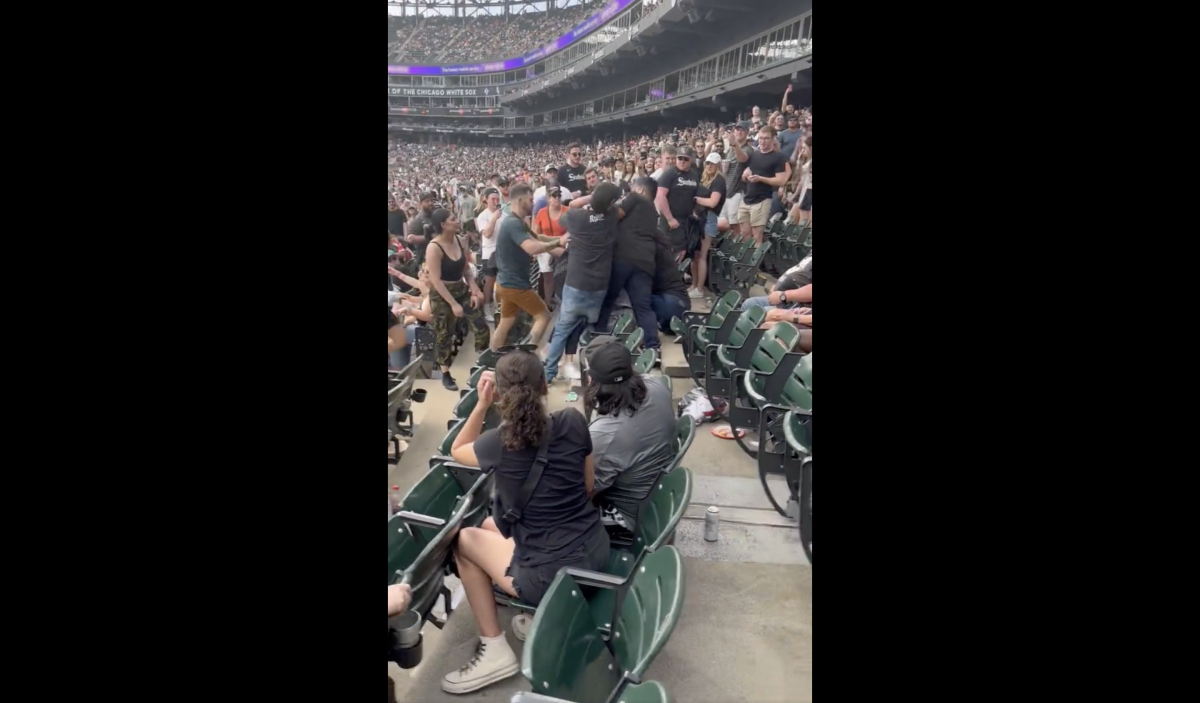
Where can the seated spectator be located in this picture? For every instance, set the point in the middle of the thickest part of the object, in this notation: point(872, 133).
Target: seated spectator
point(794, 286)
point(558, 526)
point(633, 436)
point(800, 317)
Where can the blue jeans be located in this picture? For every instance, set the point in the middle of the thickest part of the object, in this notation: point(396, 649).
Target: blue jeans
point(402, 357)
point(638, 284)
point(759, 302)
point(578, 307)
point(666, 307)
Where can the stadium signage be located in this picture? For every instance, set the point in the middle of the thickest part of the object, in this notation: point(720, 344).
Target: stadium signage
point(398, 91)
point(611, 8)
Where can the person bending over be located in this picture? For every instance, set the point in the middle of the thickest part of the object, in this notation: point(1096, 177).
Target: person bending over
point(559, 527)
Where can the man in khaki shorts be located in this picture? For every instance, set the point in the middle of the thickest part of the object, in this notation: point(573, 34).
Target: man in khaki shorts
point(515, 249)
point(766, 171)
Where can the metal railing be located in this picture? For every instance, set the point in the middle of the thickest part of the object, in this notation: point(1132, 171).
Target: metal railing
point(785, 42)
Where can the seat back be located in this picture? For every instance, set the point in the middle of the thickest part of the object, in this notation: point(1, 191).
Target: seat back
point(644, 362)
point(649, 611)
point(805, 369)
point(685, 432)
point(683, 265)
point(794, 393)
point(466, 404)
point(777, 342)
point(426, 573)
point(435, 495)
point(747, 321)
point(565, 654)
point(448, 442)
point(624, 324)
point(756, 257)
point(634, 340)
point(661, 513)
point(797, 432)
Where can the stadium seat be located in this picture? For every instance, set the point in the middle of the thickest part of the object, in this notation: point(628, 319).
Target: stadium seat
point(713, 368)
point(624, 325)
point(785, 442)
point(644, 362)
point(421, 534)
point(566, 654)
point(713, 330)
point(746, 271)
point(633, 341)
point(681, 324)
point(448, 442)
point(658, 517)
point(770, 366)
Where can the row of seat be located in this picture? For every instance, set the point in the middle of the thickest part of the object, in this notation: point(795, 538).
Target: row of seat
point(401, 384)
point(594, 634)
point(733, 264)
point(790, 244)
point(765, 386)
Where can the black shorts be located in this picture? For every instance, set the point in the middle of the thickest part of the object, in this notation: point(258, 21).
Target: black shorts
point(806, 201)
point(489, 266)
point(532, 582)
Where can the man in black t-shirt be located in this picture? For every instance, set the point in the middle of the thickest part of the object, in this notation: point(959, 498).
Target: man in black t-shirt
point(676, 199)
point(571, 177)
point(633, 259)
point(420, 228)
point(591, 222)
point(767, 169)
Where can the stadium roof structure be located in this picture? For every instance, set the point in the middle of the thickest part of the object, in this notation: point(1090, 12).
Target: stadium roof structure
point(472, 8)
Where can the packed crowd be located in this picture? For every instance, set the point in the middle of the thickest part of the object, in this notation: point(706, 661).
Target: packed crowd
point(458, 40)
point(603, 233)
point(678, 189)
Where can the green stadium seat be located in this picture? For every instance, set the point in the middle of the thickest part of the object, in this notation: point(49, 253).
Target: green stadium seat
point(566, 655)
point(644, 362)
point(770, 366)
point(713, 368)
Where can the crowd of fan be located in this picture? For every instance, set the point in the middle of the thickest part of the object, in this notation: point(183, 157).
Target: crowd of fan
point(457, 40)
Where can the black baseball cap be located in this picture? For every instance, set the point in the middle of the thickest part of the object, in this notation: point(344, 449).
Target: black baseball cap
point(610, 363)
point(687, 151)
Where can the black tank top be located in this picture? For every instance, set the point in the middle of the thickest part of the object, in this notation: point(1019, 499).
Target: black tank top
point(453, 270)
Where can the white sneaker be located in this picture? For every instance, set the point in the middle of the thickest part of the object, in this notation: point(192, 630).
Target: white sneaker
point(494, 660)
point(695, 293)
point(520, 625)
point(570, 372)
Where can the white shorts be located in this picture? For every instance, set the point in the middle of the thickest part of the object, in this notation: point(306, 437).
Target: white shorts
point(730, 210)
point(545, 262)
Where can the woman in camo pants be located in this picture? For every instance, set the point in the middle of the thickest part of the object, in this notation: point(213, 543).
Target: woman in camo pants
point(453, 293)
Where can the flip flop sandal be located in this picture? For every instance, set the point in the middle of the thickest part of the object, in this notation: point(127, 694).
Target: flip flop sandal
point(726, 432)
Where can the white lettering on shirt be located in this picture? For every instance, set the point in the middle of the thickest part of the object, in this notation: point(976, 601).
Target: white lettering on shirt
point(596, 218)
point(685, 182)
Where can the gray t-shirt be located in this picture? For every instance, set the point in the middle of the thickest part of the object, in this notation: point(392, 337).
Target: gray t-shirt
point(593, 235)
point(512, 263)
point(630, 451)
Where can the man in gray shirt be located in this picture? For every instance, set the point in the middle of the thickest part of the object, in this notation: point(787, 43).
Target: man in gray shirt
point(633, 438)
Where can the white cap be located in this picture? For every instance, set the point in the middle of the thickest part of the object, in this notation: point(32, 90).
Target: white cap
point(713, 158)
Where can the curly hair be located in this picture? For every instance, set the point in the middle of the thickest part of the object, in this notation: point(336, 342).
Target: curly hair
point(614, 398)
point(520, 390)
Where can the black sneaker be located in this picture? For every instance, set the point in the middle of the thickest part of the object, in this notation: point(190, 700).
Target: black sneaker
point(448, 382)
